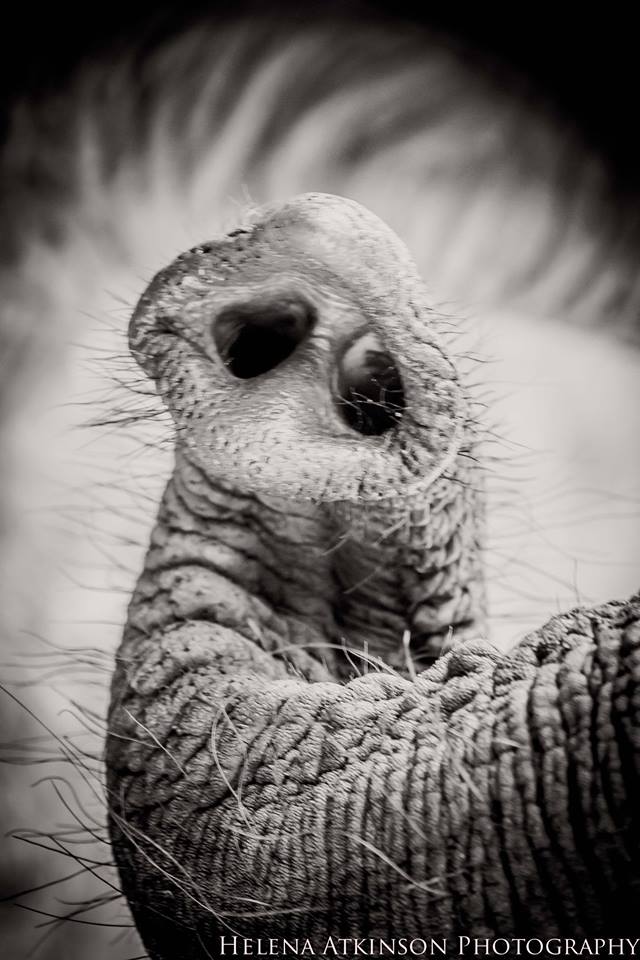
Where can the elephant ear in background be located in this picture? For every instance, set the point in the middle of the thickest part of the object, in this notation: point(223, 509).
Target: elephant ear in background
point(280, 762)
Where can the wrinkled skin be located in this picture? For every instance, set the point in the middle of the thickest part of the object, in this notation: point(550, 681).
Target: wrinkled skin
point(280, 761)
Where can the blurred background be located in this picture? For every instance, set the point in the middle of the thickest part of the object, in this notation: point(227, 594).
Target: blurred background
point(500, 144)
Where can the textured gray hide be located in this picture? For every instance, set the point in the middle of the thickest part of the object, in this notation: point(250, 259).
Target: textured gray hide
point(280, 761)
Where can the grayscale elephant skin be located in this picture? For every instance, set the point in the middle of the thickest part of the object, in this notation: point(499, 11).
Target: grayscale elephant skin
point(309, 734)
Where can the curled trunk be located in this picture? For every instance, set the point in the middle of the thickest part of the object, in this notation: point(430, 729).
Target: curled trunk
point(280, 762)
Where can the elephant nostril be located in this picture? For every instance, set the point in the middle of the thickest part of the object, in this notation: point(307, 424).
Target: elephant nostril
point(253, 338)
point(370, 395)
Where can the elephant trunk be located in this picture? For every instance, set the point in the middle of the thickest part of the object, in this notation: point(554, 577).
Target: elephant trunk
point(279, 763)
point(492, 795)
point(323, 436)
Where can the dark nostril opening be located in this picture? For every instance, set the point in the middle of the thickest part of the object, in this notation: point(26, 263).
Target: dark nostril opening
point(370, 395)
point(253, 338)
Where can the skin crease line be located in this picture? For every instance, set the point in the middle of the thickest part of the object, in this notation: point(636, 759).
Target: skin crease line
point(531, 265)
